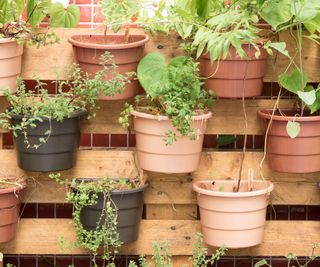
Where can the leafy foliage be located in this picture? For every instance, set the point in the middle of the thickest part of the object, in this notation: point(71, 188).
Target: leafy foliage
point(213, 26)
point(173, 90)
point(13, 26)
point(78, 93)
point(162, 256)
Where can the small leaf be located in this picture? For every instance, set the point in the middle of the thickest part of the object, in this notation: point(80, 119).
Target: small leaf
point(293, 129)
point(261, 263)
point(308, 97)
point(280, 47)
point(221, 188)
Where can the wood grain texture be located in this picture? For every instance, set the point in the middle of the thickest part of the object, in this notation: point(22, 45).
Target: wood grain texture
point(227, 117)
point(171, 211)
point(165, 188)
point(60, 56)
point(35, 236)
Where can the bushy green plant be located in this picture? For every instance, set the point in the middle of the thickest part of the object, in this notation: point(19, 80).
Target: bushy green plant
point(162, 257)
point(78, 93)
point(13, 26)
point(214, 26)
point(174, 90)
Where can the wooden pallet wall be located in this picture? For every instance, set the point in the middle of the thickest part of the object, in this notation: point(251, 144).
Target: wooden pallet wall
point(171, 207)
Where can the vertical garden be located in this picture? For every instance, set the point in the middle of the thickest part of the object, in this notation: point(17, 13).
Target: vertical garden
point(160, 133)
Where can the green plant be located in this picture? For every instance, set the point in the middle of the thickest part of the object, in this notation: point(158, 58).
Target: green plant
point(214, 26)
point(12, 24)
point(292, 259)
point(78, 93)
point(121, 13)
point(85, 192)
point(162, 256)
point(296, 16)
point(173, 90)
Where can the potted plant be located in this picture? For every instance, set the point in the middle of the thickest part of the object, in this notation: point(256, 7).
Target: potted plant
point(225, 36)
point(46, 128)
point(171, 119)
point(126, 48)
point(9, 206)
point(233, 213)
point(106, 213)
point(292, 135)
point(16, 31)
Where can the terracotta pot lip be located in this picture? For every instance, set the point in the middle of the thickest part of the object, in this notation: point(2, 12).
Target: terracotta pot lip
point(13, 189)
point(200, 190)
point(166, 118)
point(7, 40)
point(267, 114)
point(108, 46)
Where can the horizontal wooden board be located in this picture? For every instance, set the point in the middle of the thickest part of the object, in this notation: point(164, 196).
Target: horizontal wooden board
point(35, 236)
point(165, 188)
point(59, 56)
point(171, 211)
point(227, 117)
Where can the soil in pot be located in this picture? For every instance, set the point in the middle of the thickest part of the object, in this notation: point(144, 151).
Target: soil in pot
point(10, 64)
point(154, 155)
point(230, 76)
point(88, 49)
point(292, 155)
point(232, 219)
point(129, 205)
point(9, 211)
point(58, 153)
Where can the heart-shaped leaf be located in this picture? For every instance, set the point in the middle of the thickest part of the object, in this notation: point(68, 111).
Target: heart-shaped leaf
point(308, 97)
point(293, 129)
point(37, 10)
point(294, 82)
point(277, 13)
point(64, 17)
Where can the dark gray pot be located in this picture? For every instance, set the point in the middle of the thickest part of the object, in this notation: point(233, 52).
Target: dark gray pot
point(130, 206)
point(58, 153)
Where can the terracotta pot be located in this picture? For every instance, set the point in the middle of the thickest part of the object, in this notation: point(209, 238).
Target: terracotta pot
point(153, 154)
point(88, 49)
point(235, 220)
point(10, 64)
point(234, 74)
point(9, 212)
point(292, 155)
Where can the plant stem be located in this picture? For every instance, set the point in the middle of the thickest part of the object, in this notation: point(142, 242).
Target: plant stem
point(246, 129)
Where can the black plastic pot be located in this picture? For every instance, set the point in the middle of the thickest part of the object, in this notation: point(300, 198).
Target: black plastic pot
point(60, 150)
point(129, 204)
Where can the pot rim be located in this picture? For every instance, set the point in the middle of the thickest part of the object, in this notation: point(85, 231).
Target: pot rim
point(119, 192)
point(75, 114)
point(264, 191)
point(166, 118)
point(74, 42)
point(13, 189)
point(267, 114)
point(6, 40)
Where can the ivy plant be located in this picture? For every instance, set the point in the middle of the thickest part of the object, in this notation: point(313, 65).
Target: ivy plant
point(296, 16)
point(14, 26)
point(174, 90)
point(78, 93)
point(104, 239)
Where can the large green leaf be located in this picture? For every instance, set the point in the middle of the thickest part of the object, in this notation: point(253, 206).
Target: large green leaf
point(203, 8)
point(37, 10)
point(151, 73)
point(66, 18)
point(305, 10)
point(10, 10)
point(277, 12)
point(294, 82)
point(313, 25)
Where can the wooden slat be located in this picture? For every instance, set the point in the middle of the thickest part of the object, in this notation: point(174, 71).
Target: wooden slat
point(60, 55)
point(35, 236)
point(227, 117)
point(171, 211)
point(165, 188)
